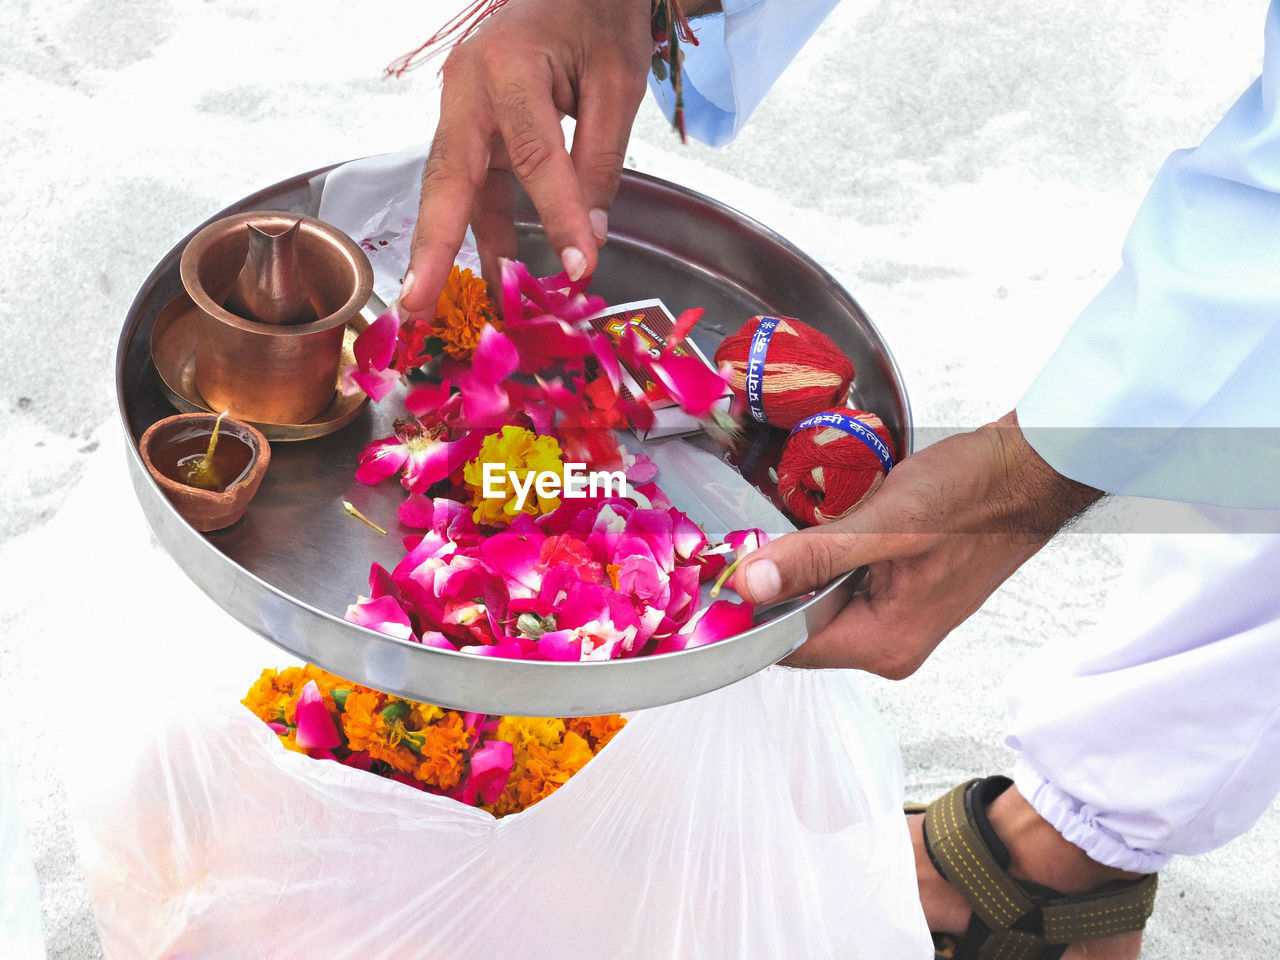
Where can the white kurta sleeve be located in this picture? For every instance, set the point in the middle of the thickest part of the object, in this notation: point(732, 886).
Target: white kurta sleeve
point(1168, 384)
point(740, 53)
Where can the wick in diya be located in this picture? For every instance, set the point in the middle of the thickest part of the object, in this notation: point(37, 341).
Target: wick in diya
point(204, 457)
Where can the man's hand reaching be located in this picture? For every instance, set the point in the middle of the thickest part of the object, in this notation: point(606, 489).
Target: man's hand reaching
point(505, 92)
point(945, 529)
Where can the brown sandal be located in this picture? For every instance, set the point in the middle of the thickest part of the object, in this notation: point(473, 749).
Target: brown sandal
point(1014, 919)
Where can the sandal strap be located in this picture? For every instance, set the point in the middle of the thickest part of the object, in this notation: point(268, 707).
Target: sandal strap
point(1022, 919)
point(1118, 909)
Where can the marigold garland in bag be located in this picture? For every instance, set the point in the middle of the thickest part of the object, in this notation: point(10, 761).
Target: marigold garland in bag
point(501, 764)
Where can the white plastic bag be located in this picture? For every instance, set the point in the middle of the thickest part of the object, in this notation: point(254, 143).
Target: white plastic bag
point(762, 820)
point(21, 934)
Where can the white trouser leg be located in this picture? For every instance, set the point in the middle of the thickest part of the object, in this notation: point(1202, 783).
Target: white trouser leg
point(1159, 734)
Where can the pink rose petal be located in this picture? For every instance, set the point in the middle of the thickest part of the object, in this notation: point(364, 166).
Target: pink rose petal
point(745, 541)
point(687, 537)
point(376, 383)
point(376, 345)
point(607, 357)
point(427, 398)
point(559, 645)
point(682, 327)
point(436, 459)
point(491, 764)
point(316, 729)
point(495, 358)
point(383, 614)
point(690, 383)
point(640, 469)
point(381, 459)
point(719, 621)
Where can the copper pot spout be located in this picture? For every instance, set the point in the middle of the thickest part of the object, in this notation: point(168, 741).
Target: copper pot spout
point(269, 286)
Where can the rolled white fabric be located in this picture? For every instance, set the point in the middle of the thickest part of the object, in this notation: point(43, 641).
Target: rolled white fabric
point(1159, 733)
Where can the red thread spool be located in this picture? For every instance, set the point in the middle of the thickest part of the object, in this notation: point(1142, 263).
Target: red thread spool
point(803, 371)
point(825, 473)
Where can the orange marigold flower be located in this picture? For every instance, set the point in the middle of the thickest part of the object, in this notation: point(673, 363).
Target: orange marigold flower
point(398, 757)
point(379, 729)
point(325, 680)
point(443, 751)
point(597, 730)
point(290, 682)
point(571, 755)
point(361, 722)
point(266, 699)
point(462, 311)
point(292, 678)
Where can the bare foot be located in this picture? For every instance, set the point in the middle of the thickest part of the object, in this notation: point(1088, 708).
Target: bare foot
point(1039, 854)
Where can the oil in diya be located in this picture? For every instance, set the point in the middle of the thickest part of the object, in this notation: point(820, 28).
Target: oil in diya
point(206, 458)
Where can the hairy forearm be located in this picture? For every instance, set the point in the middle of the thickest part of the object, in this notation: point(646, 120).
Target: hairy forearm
point(1032, 496)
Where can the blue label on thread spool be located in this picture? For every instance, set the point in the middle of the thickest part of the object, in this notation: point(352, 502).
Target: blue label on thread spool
point(853, 427)
point(755, 366)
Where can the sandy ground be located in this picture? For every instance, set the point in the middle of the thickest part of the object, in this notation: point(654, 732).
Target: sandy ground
point(965, 170)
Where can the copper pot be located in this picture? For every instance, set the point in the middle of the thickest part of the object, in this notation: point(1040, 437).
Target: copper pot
point(267, 370)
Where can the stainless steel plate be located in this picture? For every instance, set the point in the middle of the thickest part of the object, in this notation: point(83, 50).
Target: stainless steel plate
point(291, 567)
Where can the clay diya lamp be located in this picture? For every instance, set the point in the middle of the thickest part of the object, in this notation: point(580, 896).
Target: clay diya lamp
point(275, 292)
point(208, 469)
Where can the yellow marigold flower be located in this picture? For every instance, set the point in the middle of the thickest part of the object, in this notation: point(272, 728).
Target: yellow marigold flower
point(425, 714)
point(519, 451)
point(461, 313)
point(520, 732)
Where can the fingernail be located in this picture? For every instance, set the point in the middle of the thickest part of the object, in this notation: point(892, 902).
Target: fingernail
point(763, 580)
point(406, 286)
point(575, 264)
point(599, 224)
